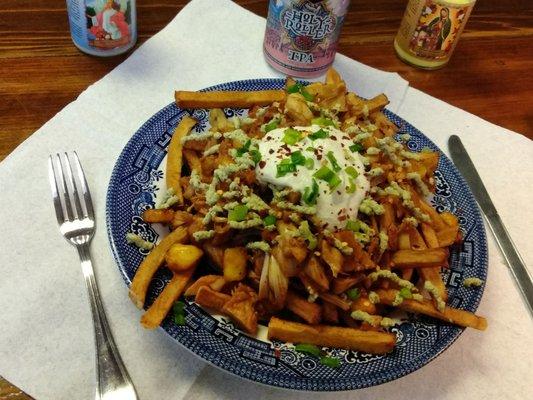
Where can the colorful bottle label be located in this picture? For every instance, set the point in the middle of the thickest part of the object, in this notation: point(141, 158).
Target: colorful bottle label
point(430, 29)
point(301, 36)
point(103, 27)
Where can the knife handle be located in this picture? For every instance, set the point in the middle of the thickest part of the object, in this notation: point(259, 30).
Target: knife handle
point(514, 261)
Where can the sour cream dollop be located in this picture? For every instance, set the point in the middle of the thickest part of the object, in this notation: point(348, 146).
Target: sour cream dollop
point(334, 206)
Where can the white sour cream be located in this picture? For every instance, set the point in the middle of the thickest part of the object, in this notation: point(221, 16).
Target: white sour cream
point(334, 207)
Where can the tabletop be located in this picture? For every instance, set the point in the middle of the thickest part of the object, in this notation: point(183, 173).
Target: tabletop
point(490, 74)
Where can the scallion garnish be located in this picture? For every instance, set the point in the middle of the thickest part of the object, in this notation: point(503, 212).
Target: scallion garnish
point(178, 311)
point(352, 225)
point(297, 158)
point(324, 173)
point(255, 155)
point(244, 149)
point(356, 147)
point(351, 188)
point(308, 349)
point(406, 293)
point(310, 148)
point(238, 213)
point(309, 163)
point(299, 88)
point(291, 136)
point(334, 182)
point(331, 362)
point(311, 193)
point(271, 125)
point(322, 121)
point(269, 220)
point(353, 293)
point(320, 134)
point(333, 161)
point(351, 171)
point(285, 167)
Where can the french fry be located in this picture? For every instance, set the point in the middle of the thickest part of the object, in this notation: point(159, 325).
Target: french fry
point(362, 303)
point(224, 99)
point(420, 258)
point(375, 104)
point(152, 318)
point(430, 274)
point(215, 255)
point(309, 312)
point(207, 297)
point(335, 300)
point(426, 307)
point(315, 270)
point(174, 156)
point(330, 313)
point(331, 336)
point(219, 122)
point(181, 257)
point(162, 215)
point(214, 282)
point(430, 236)
point(193, 161)
point(150, 265)
point(342, 284)
point(332, 256)
point(240, 308)
point(234, 263)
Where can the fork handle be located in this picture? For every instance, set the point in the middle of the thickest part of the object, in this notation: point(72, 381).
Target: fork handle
point(110, 370)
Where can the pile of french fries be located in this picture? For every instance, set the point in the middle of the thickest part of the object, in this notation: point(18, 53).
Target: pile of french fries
point(320, 295)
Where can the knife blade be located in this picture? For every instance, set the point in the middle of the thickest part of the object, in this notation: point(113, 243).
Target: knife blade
point(510, 253)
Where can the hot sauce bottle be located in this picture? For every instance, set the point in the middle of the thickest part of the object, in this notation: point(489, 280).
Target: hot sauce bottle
point(430, 30)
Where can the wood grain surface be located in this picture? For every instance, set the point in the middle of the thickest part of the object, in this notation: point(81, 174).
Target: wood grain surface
point(490, 75)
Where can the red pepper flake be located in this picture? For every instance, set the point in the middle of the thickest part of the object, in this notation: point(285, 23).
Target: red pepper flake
point(342, 218)
point(333, 138)
point(271, 151)
point(262, 164)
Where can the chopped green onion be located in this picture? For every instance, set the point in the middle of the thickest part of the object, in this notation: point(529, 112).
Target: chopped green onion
point(320, 134)
point(238, 213)
point(351, 171)
point(310, 349)
point(331, 362)
point(352, 225)
point(333, 161)
point(322, 121)
point(309, 163)
point(299, 88)
point(269, 220)
point(307, 96)
point(334, 182)
point(311, 193)
point(291, 136)
point(352, 187)
point(324, 173)
point(406, 293)
point(310, 148)
point(284, 169)
point(294, 88)
point(298, 158)
point(306, 233)
point(178, 307)
point(271, 125)
point(179, 319)
point(356, 147)
point(244, 149)
point(255, 155)
point(353, 293)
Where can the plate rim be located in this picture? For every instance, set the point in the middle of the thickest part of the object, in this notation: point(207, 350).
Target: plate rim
point(303, 384)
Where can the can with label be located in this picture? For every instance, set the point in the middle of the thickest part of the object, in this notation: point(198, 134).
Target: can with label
point(430, 30)
point(103, 27)
point(301, 35)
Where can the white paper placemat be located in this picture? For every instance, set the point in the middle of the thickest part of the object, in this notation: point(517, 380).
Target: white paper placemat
point(46, 337)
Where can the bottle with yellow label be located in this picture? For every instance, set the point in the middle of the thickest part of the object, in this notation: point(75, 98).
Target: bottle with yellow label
point(430, 30)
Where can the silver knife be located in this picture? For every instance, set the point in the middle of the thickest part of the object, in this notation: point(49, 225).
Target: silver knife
point(505, 243)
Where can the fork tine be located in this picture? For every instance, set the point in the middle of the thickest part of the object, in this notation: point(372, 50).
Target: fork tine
point(77, 205)
point(55, 191)
point(84, 186)
point(64, 189)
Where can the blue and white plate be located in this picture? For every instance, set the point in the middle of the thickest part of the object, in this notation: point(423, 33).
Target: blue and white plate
point(137, 183)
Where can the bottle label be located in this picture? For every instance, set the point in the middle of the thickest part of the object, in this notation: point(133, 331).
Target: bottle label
point(430, 28)
point(102, 26)
point(301, 36)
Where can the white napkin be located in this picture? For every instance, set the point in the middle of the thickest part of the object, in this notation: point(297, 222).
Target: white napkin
point(46, 338)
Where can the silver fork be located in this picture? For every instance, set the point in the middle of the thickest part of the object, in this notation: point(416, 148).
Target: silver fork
point(75, 216)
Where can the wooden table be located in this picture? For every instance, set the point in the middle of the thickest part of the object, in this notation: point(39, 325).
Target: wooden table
point(490, 75)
